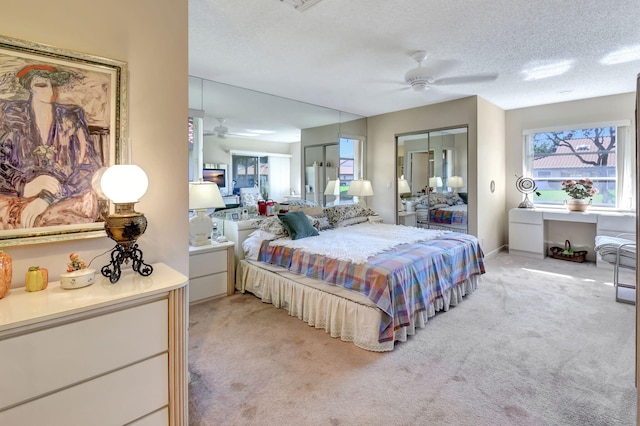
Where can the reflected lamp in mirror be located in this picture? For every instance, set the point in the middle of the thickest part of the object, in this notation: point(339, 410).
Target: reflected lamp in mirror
point(124, 185)
point(435, 182)
point(202, 196)
point(455, 182)
point(403, 186)
point(333, 188)
point(404, 192)
point(360, 188)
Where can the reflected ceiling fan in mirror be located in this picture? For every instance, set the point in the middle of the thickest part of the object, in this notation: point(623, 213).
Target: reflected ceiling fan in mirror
point(421, 78)
point(220, 130)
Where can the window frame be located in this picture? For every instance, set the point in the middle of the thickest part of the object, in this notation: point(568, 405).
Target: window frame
point(625, 164)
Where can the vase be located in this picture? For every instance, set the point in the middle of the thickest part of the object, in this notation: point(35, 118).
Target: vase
point(577, 204)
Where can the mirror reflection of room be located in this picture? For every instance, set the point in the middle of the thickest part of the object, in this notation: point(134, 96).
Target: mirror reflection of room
point(431, 169)
point(268, 148)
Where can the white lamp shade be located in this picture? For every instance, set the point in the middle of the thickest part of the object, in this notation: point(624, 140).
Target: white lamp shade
point(435, 182)
point(455, 182)
point(360, 188)
point(204, 195)
point(124, 183)
point(403, 186)
point(333, 188)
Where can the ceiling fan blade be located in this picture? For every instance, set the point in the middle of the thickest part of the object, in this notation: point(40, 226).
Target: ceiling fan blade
point(466, 79)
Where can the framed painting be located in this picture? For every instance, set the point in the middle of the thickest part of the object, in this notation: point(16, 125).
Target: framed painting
point(63, 120)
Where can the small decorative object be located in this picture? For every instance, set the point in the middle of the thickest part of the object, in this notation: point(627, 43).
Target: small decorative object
point(526, 186)
point(6, 273)
point(36, 279)
point(568, 253)
point(581, 193)
point(245, 214)
point(77, 275)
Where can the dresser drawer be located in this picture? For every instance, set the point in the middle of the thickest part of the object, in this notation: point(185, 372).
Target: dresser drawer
point(43, 361)
point(117, 398)
point(207, 263)
point(208, 286)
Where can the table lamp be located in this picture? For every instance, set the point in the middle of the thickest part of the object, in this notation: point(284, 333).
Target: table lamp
point(124, 185)
point(435, 182)
point(333, 188)
point(202, 196)
point(360, 188)
point(403, 186)
point(455, 182)
point(403, 189)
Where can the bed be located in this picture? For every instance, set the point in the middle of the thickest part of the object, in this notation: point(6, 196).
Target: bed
point(442, 211)
point(369, 283)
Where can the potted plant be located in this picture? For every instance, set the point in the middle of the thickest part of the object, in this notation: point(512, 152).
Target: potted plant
point(580, 192)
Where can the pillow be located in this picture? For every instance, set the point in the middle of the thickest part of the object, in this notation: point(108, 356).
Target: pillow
point(337, 214)
point(251, 245)
point(352, 221)
point(297, 225)
point(273, 225)
point(313, 211)
point(463, 195)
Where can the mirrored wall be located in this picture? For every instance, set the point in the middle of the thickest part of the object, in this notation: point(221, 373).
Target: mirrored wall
point(431, 169)
point(228, 120)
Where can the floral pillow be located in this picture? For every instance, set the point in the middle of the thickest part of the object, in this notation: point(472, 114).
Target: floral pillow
point(337, 214)
point(273, 225)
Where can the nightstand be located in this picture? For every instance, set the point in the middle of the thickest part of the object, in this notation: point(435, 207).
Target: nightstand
point(211, 271)
point(239, 230)
point(407, 218)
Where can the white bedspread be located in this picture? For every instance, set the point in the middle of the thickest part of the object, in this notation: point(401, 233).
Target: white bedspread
point(358, 242)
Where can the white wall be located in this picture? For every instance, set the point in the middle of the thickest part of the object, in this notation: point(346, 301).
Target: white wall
point(152, 39)
point(491, 156)
point(595, 110)
point(381, 146)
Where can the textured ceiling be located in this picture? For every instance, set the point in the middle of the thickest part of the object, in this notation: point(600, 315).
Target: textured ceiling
point(352, 55)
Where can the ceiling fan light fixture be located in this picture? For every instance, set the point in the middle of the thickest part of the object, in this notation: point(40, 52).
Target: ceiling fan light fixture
point(418, 79)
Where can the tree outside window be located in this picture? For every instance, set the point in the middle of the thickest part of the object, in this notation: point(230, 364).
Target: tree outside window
point(573, 154)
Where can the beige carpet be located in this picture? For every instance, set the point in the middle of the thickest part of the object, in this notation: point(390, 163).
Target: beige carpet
point(539, 343)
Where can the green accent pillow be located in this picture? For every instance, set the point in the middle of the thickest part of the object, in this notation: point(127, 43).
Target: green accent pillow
point(297, 225)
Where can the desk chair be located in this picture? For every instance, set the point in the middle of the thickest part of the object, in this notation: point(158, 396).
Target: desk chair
point(621, 253)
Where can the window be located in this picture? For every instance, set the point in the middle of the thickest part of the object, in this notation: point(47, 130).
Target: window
point(600, 153)
point(268, 171)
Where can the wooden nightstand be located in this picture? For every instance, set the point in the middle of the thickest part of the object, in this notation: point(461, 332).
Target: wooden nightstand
point(211, 271)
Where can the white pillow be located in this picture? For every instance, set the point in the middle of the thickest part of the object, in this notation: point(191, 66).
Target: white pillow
point(251, 245)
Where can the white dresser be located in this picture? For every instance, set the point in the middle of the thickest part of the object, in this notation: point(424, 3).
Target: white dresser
point(533, 231)
point(211, 271)
point(107, 354)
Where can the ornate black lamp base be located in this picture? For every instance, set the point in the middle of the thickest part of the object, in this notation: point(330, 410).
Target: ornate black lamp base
point(121, 254)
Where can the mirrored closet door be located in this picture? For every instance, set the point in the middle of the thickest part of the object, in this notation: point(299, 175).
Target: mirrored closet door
point(431, 169)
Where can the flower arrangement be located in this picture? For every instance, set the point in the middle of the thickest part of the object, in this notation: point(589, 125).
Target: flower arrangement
point(580, 189)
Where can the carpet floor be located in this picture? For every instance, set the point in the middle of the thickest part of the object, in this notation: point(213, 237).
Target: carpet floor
point(540, 342)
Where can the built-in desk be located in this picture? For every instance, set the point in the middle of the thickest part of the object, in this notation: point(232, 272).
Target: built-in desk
point(533, 231)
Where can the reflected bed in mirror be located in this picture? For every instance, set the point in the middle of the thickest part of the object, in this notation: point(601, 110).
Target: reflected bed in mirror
point(433, 164)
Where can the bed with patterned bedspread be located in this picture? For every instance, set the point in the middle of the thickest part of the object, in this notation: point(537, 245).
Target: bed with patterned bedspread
point(405, 274)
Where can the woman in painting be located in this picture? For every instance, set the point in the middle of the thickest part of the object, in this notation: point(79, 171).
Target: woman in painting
point(46, 159)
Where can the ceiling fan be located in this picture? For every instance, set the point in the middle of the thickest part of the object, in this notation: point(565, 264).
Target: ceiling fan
point(421, 79)
point(221, 130)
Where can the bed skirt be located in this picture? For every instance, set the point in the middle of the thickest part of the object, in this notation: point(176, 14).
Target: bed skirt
point(341, 313)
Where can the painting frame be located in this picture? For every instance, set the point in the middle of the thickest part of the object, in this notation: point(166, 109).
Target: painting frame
point(108, 109)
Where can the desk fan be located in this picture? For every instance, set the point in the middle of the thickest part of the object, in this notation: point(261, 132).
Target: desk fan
point(526, 186)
